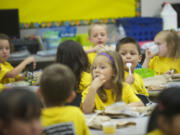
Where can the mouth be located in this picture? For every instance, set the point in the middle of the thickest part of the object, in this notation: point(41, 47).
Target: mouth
point(100, 42)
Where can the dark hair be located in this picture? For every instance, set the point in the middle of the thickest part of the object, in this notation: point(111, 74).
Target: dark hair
point(73, 55)
point(19, 103)
point(5, 37)
point(56, 83)
point(168, 106)
point(125, 41)
point(117, 66)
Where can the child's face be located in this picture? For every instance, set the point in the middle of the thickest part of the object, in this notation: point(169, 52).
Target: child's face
point(172, 126)
point(102, 66)
point(23, 127)
point(4, 50)
point(160, 42)
point(129, 54)
point(98, 35)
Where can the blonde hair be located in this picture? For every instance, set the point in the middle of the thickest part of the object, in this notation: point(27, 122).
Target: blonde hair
point(117, 66)
point(96, 24)
point(173, 42)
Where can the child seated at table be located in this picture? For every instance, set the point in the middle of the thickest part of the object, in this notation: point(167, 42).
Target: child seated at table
point(98, 36)
point(8, 73)
point(20, 111)
point(56, 89)
point(129, 50)
point(167, 60)
point(73, 55)
point(165, 119)
point(107, 86)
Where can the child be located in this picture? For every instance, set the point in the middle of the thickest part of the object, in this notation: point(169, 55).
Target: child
point(129, 50)
point(98, 36)
point(107, 86)
point(167, 60)
point(165, 119)
point(56, 89)
point(9, 74)
point(20, 111)
point(73, 55)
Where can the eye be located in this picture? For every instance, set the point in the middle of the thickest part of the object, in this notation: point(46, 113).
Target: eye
point(102, 34)
point(133, 53)
point(102, 67)
point(94, 67)
point(123, 53)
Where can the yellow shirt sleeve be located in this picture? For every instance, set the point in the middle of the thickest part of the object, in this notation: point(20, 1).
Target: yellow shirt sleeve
point(6, 67)
point(162, 65)
point(85, 81)
point(128, 95)
point(91, 57)
point(156, 132)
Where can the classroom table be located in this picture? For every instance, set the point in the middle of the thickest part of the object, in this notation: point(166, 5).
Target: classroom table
point(138, 129)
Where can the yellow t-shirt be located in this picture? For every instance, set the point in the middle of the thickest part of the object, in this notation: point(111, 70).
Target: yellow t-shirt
point(91, 57)
point(138, 85)
point(128, 96)
point(156, 132)
point(85, 81)
point(6, 67)
point(70, 118)
point(162, 65)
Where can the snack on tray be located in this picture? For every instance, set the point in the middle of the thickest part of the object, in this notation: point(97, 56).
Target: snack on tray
point(157, 82)
point(176, 77)
point(120, 109)
point(97, 122)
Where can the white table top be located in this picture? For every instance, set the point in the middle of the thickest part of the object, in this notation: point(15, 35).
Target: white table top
point(138, 129)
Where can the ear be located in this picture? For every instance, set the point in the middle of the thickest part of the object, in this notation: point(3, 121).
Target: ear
point(71, 97)
point(39, 92)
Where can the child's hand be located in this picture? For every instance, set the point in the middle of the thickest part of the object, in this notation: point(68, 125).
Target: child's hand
point(130, 79)
point(29, 60)
point(98, 48)
point(149, 55)
point(97, 82)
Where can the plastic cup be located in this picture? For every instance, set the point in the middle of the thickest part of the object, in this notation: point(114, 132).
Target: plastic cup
point(109, 128)
point(154, 49)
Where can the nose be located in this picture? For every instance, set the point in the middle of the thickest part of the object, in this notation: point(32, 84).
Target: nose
point(128, 56)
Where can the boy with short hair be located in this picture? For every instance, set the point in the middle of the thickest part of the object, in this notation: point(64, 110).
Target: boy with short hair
point(57, 88)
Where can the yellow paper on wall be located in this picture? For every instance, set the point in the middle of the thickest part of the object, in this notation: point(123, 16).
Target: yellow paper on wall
point(67, 10)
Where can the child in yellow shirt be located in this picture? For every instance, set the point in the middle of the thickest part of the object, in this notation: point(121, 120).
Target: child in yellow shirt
point(8, 73)
point(98, 36)
point(129, 50)
point(167, 60)
point(73, 55)
point(107, 86)
point(56, 89)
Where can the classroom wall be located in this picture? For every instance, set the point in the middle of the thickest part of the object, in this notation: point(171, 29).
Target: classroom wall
point(152, 8)
point(66, 10)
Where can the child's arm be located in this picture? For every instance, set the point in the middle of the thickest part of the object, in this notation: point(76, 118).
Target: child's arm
point(18, 69)
point(95, 49)
point(147, 58)
point(89, 102)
